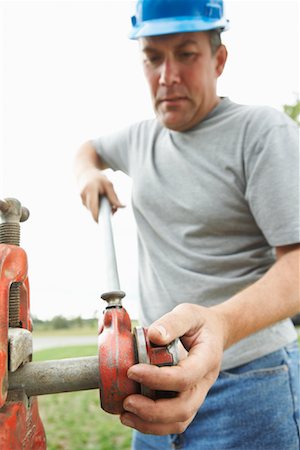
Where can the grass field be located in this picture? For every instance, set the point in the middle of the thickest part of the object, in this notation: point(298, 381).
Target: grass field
point(75, 421)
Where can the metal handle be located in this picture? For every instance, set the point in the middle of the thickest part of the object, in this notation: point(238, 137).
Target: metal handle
point(104, 220)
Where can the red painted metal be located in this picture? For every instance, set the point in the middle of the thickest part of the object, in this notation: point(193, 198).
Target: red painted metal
point(13, 268)
point(119, 349)
point(25, 318)
point(159, 356)
point(20, 424)
point(116, 355)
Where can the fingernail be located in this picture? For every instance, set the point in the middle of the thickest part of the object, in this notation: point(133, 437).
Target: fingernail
point(162, 331)
point(134, 375)
point(127, 421)
point(130, 408)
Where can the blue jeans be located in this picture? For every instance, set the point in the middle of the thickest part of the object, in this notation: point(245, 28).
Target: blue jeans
point(251, 407)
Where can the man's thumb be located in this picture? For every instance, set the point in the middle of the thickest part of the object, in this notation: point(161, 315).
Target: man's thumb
point(158, 334)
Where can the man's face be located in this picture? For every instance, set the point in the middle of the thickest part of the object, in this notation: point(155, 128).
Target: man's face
point(182, 74)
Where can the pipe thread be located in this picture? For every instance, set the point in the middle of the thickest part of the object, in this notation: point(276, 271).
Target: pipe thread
point(14, 305)
point(10, 233)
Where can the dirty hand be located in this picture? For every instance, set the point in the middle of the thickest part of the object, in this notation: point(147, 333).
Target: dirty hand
point(92, 185)
point(202, 333)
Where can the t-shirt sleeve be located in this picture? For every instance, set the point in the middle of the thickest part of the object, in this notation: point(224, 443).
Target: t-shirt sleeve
point(272, 187)
point(113, 149)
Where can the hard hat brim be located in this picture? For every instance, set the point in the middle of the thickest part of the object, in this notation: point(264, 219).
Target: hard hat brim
point(180, 25)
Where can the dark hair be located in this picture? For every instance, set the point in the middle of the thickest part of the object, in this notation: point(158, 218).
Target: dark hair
point(214, 39)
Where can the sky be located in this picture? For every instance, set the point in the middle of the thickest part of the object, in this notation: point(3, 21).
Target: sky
point(69, 73)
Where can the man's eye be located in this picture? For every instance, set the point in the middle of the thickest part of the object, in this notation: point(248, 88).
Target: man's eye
point(153, 59)
point(187, 56)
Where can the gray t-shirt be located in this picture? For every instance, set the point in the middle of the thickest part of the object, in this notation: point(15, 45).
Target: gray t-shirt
point(210, 206)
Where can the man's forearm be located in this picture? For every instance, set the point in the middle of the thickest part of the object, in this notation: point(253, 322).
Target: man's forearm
point(87, 158)
point(274, 297)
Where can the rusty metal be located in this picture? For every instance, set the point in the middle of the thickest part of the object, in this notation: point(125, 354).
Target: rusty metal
point(11, 211)
point(10, 233)
point(76, 374)
point(113, 298)
point(11, 214)
point(119, 348)
point(116, 354)
point(14, 305)
point(142, 356)
point(161, 355)
point(116, 348)
point(13, 268)
point(19, 347)
point(149, 353)
point(4, 206)
point(56, 376)
point(20, 423)
point(21, 427)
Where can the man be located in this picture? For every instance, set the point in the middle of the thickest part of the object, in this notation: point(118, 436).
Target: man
point(216, 206)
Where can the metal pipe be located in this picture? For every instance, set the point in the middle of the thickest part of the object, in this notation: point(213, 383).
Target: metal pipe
point(104, 220)
point(51, 377)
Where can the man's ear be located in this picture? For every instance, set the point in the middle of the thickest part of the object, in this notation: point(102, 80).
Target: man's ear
point(220, 57)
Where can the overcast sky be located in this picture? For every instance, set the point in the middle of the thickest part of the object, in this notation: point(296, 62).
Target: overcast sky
point(69, 73)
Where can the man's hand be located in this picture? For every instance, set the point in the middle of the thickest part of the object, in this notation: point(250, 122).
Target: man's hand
point(205, 333)
point(92, 185)
point(202, 334)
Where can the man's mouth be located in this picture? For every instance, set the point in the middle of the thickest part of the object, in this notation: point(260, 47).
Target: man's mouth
point(172, 99)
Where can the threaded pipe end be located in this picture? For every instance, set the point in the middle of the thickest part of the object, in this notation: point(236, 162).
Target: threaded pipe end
point(10, 233)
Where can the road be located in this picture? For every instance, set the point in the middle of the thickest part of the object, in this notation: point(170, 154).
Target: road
point(43, 342)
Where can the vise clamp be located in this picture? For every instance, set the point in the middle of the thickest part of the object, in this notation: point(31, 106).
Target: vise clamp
point(20, 424)
point(21, 380)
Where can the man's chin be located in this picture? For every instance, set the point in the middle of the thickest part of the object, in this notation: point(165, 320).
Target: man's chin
point(172, 122)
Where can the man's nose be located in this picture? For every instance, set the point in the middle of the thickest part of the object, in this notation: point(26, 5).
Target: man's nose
point(169, 73)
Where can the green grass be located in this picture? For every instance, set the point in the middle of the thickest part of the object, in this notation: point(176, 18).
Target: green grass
point(75, 421)
point(65, 352)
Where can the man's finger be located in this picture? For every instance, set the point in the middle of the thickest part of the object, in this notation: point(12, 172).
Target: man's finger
point(92, 203)
point(193, 369)
point(158, 429)
point(182, 320)
point(177, 409)
point(112, 197)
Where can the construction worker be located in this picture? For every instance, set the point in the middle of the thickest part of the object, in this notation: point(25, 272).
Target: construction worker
point(217, 211)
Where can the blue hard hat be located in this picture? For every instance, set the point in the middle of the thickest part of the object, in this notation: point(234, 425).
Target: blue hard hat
point(156, 17)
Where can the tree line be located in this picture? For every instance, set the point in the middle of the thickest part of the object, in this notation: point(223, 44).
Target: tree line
point(60, 322)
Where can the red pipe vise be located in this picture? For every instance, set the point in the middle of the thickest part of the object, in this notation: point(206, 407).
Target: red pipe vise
point(21, 380)
point(20, 423)
point(119, 349)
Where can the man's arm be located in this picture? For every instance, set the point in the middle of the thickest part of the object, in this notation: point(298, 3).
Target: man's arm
point(88, 167)
point(205, 333)
point(274, 297)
